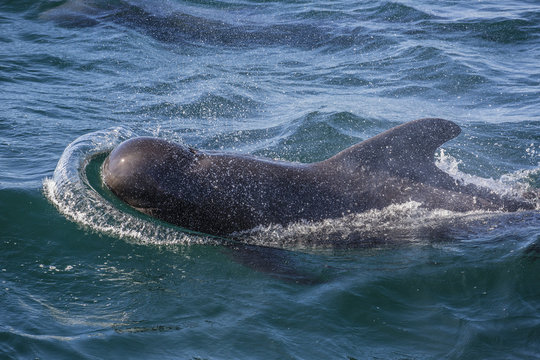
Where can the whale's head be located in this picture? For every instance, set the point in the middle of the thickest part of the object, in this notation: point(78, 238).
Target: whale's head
point(143, 171)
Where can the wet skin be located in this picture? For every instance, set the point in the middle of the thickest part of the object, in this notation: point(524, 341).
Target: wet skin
point(221, 193)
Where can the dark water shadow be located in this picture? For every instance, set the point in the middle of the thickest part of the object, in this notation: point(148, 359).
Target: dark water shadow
point(181, 27)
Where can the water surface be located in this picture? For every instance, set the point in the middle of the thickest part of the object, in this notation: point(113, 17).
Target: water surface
point(84, 277)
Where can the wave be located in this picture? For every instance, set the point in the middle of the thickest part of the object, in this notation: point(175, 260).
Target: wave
point(207, 106)
point(312, 27)
point(497, 30)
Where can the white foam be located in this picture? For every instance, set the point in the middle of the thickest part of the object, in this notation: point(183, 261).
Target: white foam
point(73, 195)
point(512, 184)
point(406, 222)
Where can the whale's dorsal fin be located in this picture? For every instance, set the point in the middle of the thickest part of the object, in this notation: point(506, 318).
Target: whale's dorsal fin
point(405, 150)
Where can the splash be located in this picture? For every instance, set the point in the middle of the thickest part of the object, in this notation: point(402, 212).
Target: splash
point(517, 184)
point(77, 198)
point(396, 224)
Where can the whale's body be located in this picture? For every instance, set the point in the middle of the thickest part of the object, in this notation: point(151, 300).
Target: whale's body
point(221, 193)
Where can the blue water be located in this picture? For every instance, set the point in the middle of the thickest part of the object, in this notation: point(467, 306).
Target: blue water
point(83, 276)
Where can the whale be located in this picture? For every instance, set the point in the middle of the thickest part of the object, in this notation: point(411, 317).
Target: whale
point(178, 25)
point(222, 193)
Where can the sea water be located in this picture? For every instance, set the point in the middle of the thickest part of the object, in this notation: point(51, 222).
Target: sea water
point(84, 276)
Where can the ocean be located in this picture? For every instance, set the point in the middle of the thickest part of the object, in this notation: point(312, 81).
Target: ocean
point(83, 276)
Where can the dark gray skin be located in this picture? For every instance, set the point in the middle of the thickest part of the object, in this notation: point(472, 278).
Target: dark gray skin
point(221, 193)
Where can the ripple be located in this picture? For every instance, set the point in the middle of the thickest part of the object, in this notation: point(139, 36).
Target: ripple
point(396, 12)
point(207, 106)
point(502, 31)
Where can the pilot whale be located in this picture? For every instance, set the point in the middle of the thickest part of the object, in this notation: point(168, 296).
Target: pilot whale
point(221, 193)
